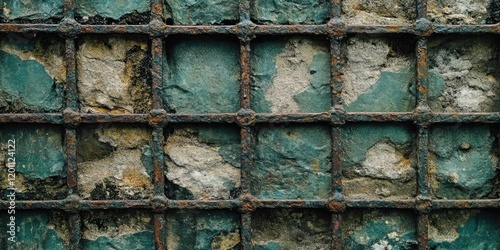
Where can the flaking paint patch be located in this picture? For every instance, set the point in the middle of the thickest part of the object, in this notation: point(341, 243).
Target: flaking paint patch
point(109, 71)
point(389, 12)
point(292, 74)
point(367, 59)
point(199, 167)
point(444, 225)
point(458, 11)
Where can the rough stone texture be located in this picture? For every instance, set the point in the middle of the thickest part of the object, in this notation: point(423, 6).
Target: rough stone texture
point(378, 230)
point(378, 161)
point(110, 11)
point(289, 11)
point(291, 75)
point(292, 162)
point(202, 75)
point(465, 229)
point(462, 11)
point(463, 162)
point(204, 12)
point(40, 162)
point(32, 73)
point(290, 229)
point(199, 230)
point(113, 75)
point(203, 163)
point(463, 74)
point(369, 12)
point(36, 230)
point(117, 230)
point(31, 10)
point(379, 75)
point(114, 162)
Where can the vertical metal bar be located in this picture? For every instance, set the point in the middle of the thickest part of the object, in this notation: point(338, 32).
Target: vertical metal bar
point(244, 11)
point(156, 9)
point(422, 154)
point(157, 71)
point(421, 9)
point(245, 94)
point(423, 231)
point(247, 155)
point(69, 7)
point(336, 64)
point(246, 232)
point(422, 73)
point(75, 229)
point(337, 231)
point(71, 78)
point(335, 8)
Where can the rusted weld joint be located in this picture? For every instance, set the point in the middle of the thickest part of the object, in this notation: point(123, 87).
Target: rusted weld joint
point(336, 206)
point(159, 203)
point(72, 204)
point(246, 30)
point(424, 27)
point(422, 116)
point(69, 27)
point(157, 117)
point(157, 28)
point(248, 204)
point(71, 118)
point(245, 117)
point(336, 28)
point(423, 206)
point(337, 116)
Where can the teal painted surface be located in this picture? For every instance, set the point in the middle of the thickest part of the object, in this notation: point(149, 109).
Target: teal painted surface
point(110, 8)
point(316, 98)
point(358, 138)
point(203, 11)
point(134, 241)
point(292, 162)
point(26, 84)
point(39, 150)
point(226, 138)
point(290, 11)
point(393, 92)
point(474, 167)
point(33, 232)
point(202, 75)
point(436, 86)
point(32, 9)
point(482, 231)
point(195, 230)
point(378, 230)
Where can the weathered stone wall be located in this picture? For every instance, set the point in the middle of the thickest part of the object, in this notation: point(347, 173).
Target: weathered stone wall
point(341, 140)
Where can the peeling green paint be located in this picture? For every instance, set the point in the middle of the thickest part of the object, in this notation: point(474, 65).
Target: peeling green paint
point(37, 230)
point(201, 75)
point(203, 11)
point(393, 92)
point(378, 230)
point(32, 9)
point(197, 230)
point(25, 84)
point(289, 12)
point(299, 168)
point(480, 231)
point(463, 163)
point(39, 150)
point(294, 52)
point(114, 9)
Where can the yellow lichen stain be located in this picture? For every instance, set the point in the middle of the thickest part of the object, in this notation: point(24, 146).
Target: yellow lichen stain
point(315, 164)
point(226, 241)
point(135, 178)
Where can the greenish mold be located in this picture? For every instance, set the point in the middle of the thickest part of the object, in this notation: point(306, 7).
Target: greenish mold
point(197, 230)
point(32, 9)
point(133, 241)
point(25, 85)
point(289, 11)
point(393, 92)
point(39, 150)
point(36, 230)
point(204, 12)
point(480, 231)
point(463, 163)
point(376, 229)
point(114, 9)
point(299, 168)
point(315, 98)
point(358, 138)
point(202, 75)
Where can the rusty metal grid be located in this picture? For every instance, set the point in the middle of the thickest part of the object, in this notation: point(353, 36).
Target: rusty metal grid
point(335, 30)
